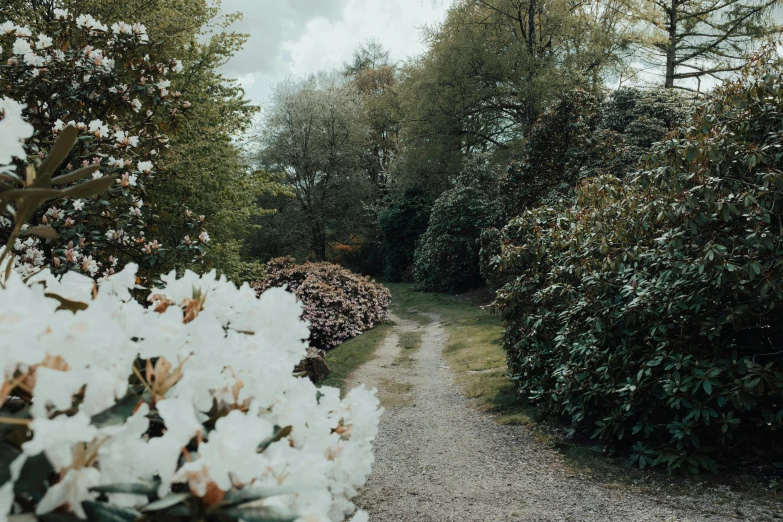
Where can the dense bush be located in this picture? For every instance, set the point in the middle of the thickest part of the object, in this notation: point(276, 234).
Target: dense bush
point(581, 136)
point(185, 409)
point(400, 226)
point(118, 89)
point(447, 254)
point(649, 311)
point(338, 304)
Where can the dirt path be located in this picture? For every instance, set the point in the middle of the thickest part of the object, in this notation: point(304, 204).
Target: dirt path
point(437, 459)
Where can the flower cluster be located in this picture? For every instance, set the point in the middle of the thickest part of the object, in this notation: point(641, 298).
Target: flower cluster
point(116, 88)
point(193, 396)
point(338, 304)
point(186, 408)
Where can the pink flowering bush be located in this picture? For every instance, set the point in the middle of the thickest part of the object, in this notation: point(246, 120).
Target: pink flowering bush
point(109, 83)
point(338, 304)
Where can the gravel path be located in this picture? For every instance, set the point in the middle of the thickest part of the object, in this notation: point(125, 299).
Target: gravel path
point(437, 459)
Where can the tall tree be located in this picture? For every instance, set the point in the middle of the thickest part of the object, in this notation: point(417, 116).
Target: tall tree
point(313, 133)
point(374, 77)
point(492, 67)
point(203, 169)
point(693, 39)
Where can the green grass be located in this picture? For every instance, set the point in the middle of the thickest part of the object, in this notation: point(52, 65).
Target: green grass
point(347, 357)
point(409, 343)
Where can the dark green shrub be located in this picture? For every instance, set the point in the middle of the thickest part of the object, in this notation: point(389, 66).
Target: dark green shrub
point(555, 152)
point(400, 226)
point(649, 311)
point(581, 136)
point(447, 255)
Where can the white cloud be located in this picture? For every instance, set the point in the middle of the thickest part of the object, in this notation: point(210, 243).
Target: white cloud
point(299, 37)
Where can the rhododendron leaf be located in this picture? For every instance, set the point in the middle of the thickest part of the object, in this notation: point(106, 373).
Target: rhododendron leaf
point(7, 455)
point(9, 176)
point(148, 489)
point(116, 414)
point(166, 502)
point(76, 175)
point(103, 512)
point(44, 232)
point(32, 477)
point(276, 436)
point(90, 188)
point(251, 494)
point(39, 195)
point(62, 147)
point(66, 304)
point(261, 514)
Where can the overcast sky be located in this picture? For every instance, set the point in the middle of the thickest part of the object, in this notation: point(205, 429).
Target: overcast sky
point(299, 37)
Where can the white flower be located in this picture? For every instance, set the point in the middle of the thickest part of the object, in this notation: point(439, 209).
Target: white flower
point(13, 129)
point(22, 46)
point(99, 129)
point(6, 499)
point(203, 237)
point(72, 490)
point(213, 345)
point(56, 437)
point(135, 105)
point(58, 125)
point(88, 22)
point(120, 28)
point(43, 42)
point(78, 204)
point(125, 140)
point(89, 265)
point(144, 166)
point(61, 13)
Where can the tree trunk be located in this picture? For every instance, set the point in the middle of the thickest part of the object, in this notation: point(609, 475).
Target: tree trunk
point(531, 27)
point(671, 46)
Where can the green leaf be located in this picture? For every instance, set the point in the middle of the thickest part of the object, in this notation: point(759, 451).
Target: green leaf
point(33, 476)
point(166, 502)
point(76, 175)
point(251, 494)
point(149, 489)
point(67, 304)
point(90, 188)
point(59, 152)
point(279, 434)
point(7, 455)
point(261, 514)
point(116, 414)
point(42, 231)
point(103, 512)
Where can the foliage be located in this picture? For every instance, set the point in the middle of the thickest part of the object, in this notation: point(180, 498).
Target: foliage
point(447, 254)
point(400, 226)
point(338, 304)
point(490, 69)
point(581, 136)
point(185, 409)
point(703, 38)
point(633, 120)
point(115, 80)
point(648, 310)
point(313, 134)
point(203, 168)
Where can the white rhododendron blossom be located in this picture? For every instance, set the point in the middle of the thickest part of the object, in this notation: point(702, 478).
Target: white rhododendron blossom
point(13, 130)
point(204, 349)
